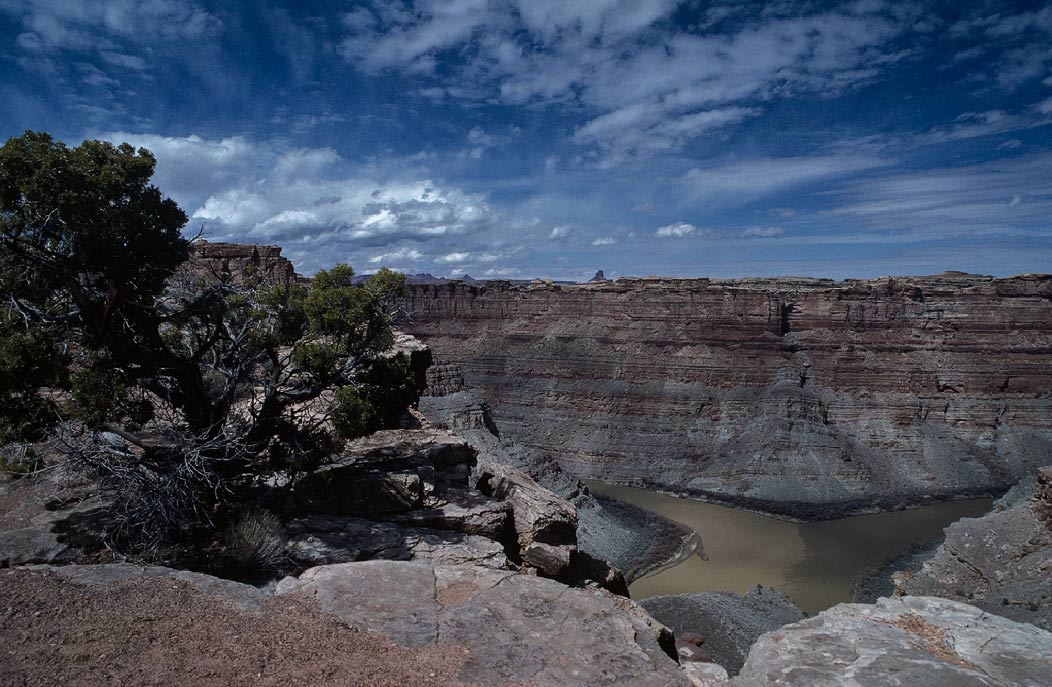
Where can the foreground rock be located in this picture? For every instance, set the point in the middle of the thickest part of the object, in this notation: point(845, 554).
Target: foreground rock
point(44, 519)
point(517, 628)
point(909, 641)
point(729, 623)
point(806, 397)
point(1001, 562)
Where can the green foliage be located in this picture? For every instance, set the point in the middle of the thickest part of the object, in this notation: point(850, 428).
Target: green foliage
point(92, 212)
point(30, 360)
point(100, 394)
point(212, 387)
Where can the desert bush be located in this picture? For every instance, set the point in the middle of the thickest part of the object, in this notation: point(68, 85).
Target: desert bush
point(19, 460)
point(255, 543)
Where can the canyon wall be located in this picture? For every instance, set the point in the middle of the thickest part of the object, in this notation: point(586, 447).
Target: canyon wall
point(803, 397)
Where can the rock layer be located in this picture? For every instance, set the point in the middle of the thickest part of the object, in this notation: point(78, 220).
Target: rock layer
point(808, 398)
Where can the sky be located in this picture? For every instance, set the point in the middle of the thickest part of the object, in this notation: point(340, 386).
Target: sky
point(549, 138)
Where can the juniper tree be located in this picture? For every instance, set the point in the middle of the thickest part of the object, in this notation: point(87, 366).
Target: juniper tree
point(188, 392)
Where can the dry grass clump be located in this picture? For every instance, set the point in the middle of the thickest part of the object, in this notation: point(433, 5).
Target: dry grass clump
point(933, 639)
point(255, 542)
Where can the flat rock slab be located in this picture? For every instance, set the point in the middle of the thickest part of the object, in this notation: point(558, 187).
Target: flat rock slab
point(241, 595)
point(518, 628)
point(922, 641)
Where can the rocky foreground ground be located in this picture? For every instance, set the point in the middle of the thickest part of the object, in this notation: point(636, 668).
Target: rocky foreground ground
point(412, 563)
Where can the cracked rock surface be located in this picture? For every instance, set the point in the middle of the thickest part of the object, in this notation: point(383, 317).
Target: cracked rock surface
point(909, 641)
point(518, 628)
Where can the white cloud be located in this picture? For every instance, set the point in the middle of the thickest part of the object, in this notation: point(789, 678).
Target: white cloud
point(676, 230)
point(80, 25)
point(986, 197)
point(410, 254)
point(453, 257)
point(260, 191)
point(763, 233)
point(604, 241)
point(737, 183)
point(649, 87)
point(559, 232)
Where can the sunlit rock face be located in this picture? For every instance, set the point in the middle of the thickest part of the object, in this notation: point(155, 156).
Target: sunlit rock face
point(805, 397)
point(237, 262)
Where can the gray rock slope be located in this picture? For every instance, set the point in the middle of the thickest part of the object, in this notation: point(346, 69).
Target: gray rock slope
point(1001, 562)
point(729, 623)
point(921, 641)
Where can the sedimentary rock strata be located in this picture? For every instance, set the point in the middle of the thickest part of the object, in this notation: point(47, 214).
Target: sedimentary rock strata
point(800, 396)
point(236, 262)
point(631, 538)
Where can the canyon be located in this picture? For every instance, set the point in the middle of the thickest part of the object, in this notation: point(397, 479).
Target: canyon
point(803, 398)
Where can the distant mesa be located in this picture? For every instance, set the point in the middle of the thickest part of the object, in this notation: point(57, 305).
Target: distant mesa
point(599, 276)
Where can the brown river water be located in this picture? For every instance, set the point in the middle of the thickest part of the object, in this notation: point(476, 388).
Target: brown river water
point(815, 563)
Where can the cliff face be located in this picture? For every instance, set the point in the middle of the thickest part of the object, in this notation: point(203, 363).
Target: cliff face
point(803, 397)
point(234, 262)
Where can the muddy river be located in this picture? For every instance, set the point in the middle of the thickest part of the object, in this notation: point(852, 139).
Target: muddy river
point(816, 563)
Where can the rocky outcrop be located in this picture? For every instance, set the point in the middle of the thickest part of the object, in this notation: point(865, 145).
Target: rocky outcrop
point(518, 629)
point(909, 641)
point(417, 495)
point(1001, 562)
point(729, 623)
point(234, 263)
point(808, 398)
point(632, 539)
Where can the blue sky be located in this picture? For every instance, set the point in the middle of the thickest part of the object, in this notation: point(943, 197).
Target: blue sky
point(546, 138)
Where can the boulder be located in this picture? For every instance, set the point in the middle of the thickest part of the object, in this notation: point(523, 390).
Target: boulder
point(545, 525)
point(706, 674)
point(518, 628)
point(387, 473)
point(909, 641)
point(243, 596)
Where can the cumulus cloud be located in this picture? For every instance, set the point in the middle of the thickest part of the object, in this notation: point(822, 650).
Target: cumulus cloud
point(259, 191)
point(676, 230)
point(559, 232)
point(453, 257)
point(410, 254)
point(604, 241)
